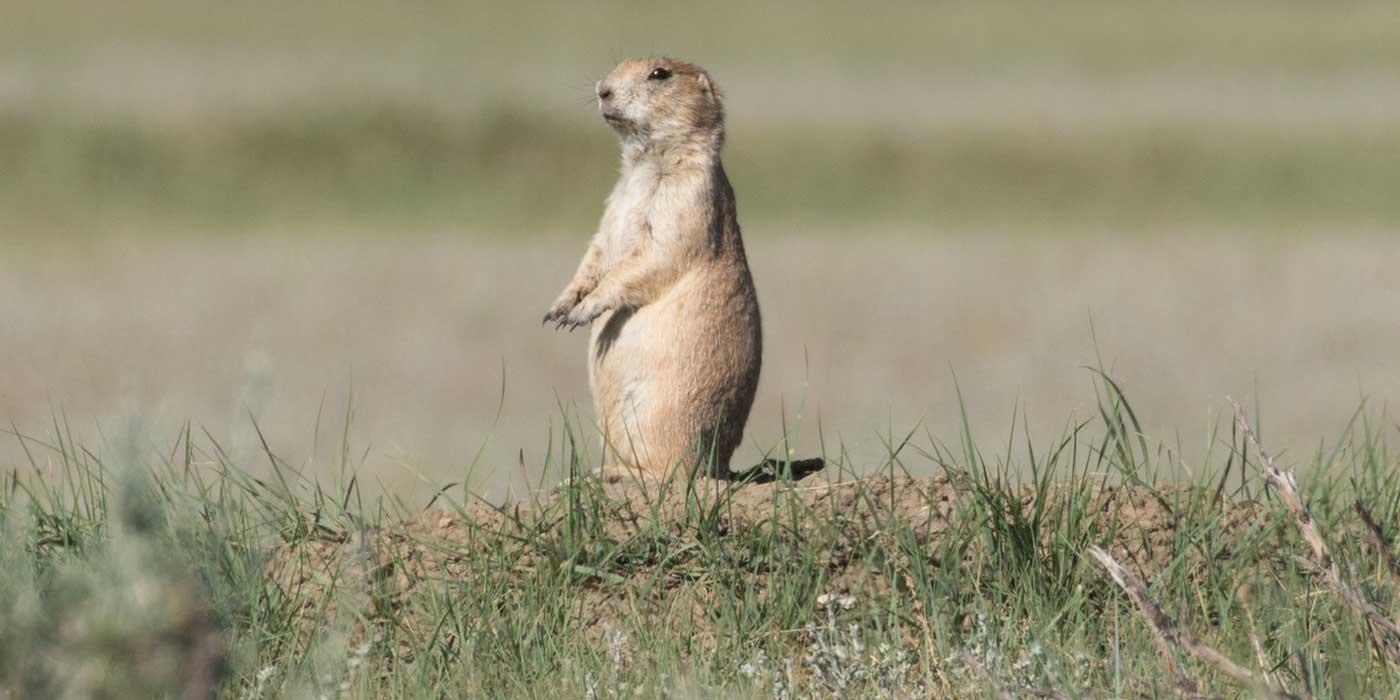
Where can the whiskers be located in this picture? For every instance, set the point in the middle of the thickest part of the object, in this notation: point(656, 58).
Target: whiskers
point(586, 92)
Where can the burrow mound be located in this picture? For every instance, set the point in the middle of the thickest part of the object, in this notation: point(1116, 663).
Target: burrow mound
point(674, 551)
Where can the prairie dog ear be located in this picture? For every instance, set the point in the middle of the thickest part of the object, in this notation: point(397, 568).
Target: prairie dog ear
point(709, 87)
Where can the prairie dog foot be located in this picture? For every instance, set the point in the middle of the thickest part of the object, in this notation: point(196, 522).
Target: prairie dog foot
point(621, 474)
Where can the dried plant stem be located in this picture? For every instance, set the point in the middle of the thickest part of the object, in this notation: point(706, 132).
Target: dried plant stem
point(1171, 634)
point(1322, 565)
point(1260, 657)
point(1287, 486)
point(1378, 539)
point(1353, 596)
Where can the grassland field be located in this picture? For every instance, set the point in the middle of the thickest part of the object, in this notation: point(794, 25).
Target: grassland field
point(177, 573)
point(281, 422)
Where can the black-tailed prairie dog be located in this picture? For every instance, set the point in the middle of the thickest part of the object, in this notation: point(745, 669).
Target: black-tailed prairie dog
point(676, 339)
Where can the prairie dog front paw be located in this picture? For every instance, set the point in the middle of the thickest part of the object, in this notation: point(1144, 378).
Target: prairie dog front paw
point(584, 313)
point(563, 305)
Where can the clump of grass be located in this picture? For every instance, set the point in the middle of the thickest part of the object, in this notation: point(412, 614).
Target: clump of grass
point(857, 582)
point(99, 598)
point(1384, 633)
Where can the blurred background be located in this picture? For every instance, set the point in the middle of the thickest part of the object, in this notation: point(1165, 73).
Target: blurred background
point(211, 211)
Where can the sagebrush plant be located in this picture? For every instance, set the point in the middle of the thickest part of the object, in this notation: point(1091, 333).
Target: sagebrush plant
point(182, 572)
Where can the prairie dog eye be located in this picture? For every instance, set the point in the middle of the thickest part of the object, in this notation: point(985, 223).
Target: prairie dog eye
point(659, 74)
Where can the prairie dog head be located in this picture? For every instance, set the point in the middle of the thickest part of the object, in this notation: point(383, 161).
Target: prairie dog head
point(661, 101)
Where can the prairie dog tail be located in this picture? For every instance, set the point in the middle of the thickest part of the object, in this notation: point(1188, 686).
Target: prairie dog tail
point(770, 470)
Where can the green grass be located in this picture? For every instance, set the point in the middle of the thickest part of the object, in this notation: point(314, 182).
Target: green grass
point(118, 565)
point(475, 116)
point(517, 172)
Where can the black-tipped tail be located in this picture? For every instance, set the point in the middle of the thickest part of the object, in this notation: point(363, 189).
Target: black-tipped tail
point(771, 470)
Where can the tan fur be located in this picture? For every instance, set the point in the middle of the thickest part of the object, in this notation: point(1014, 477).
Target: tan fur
point(676, 341)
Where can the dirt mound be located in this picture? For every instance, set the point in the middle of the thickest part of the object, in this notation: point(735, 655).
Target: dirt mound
point(675, 551)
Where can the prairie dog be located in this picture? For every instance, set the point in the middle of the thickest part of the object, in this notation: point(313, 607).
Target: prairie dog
point(676, 339)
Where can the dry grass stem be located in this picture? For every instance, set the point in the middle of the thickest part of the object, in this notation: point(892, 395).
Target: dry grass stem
point(1322, 565)
point(1287, 486)
point(1377, 538)
point(1172, 634)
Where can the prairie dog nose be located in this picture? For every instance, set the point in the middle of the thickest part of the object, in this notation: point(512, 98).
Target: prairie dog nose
point(604, 90)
